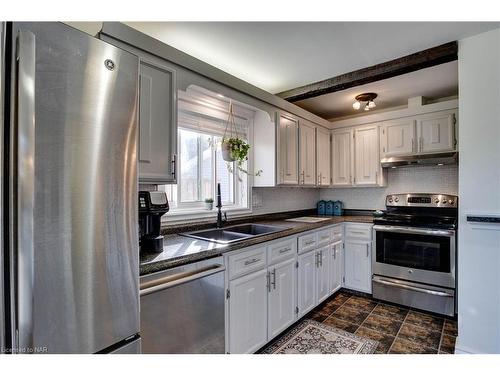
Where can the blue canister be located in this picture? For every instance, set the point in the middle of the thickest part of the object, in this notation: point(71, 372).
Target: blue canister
point(338, 208)
point(329, 208)
point(321, 207)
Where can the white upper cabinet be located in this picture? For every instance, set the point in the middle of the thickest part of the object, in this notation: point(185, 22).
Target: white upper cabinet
point(157, 123)
point(288, 145)
point(422, 134)
point(323, 157)
point(436, 132)
point(398, 137)
point(366, 156)
point(307, 153)
point(341, 157)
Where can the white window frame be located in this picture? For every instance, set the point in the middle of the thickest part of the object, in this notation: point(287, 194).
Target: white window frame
point(196, 210)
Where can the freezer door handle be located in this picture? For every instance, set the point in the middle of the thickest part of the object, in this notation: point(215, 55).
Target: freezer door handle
point(178, 279)
point(25, 174)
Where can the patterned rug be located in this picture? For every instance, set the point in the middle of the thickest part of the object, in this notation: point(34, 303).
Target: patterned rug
point(311, 337)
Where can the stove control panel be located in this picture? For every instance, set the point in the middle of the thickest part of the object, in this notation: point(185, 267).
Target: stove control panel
point(421, 200)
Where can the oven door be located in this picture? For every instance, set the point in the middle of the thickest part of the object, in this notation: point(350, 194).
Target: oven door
point(415, 254)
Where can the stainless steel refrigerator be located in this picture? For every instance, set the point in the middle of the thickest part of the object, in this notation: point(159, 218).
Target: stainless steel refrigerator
point(69, 181)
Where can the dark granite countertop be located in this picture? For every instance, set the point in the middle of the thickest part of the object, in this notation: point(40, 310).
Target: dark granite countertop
point(179, 250)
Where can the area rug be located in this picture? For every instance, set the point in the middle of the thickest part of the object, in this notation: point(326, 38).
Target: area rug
point(311, 337)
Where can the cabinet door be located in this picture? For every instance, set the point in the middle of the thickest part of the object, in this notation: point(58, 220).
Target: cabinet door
point(341, 158)
point(323, 274)
point(288, 150)
point(306, 282)
point(366, 156)
point(157, 124)
point(248, 313)
point(336, 261)
point(307, 154)
point(323, 157)
point(357, 269)
point(436, 132)
point(398, 137)
point(282, 297)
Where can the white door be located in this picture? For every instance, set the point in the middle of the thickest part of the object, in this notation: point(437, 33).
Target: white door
point(323, 157)
point(282, 297)
point(336, 267)
point(436, 132)
point(248, 312)
point(288, 150)
point(306, 282)
point(366, 156)
point(398, 137)
point(357, 266)
point(323, 274)
point(307, 154)
point(341, 158)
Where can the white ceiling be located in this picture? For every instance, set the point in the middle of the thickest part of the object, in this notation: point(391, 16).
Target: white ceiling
point(433, 83)
point(278, 56)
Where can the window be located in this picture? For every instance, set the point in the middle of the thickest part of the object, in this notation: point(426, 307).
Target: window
point(201, 167)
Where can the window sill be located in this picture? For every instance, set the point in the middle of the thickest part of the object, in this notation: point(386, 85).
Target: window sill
point(185, 216)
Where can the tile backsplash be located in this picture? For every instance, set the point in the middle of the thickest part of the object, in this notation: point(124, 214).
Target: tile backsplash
point(421, 179)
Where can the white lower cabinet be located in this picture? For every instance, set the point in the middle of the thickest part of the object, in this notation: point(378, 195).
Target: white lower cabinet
point(282, 298)
point(357, 261)
point(248, 312)
point(322, 274)
point(336, 266)
point(306, 299)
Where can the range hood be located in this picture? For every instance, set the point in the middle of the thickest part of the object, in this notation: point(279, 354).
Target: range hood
point(428, 159)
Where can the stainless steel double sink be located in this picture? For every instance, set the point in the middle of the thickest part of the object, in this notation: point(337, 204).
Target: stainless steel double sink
point(234, 234)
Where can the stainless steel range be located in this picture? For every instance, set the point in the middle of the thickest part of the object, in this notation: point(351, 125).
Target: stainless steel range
point(414, 261)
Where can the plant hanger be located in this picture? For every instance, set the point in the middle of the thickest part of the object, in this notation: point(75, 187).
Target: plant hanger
point(231, 124)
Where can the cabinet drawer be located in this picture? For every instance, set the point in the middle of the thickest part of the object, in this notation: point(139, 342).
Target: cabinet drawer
point(247, 261)
point(307, 242)
point(337, 233)
point(359, 231)
point(324, 237)
point(281, 250)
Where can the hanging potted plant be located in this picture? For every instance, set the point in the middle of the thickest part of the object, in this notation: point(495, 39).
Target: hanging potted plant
point(234, 148)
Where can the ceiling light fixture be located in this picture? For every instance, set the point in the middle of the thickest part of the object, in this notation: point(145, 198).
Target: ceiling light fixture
point(367, 98)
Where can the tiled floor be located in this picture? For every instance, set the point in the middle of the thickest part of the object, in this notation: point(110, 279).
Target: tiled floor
point(398, 330)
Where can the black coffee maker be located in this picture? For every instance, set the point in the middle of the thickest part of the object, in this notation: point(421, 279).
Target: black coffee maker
point(152, 206)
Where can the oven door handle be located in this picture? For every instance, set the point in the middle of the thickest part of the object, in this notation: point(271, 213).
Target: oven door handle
point(413, 230)
point(413, 288)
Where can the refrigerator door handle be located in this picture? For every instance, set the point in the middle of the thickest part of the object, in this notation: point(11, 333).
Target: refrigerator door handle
point(24, 210)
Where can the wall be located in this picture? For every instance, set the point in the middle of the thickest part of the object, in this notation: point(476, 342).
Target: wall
point(267, 200)
point(424, 179)
point(479, 182)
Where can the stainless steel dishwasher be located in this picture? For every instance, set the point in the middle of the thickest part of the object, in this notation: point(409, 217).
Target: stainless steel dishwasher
point(182, 309)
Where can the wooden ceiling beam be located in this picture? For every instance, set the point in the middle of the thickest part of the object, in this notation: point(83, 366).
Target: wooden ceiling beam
point(406, 64)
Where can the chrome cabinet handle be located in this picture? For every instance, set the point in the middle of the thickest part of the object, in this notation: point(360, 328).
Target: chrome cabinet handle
point(284, 250)
point(357, 232)
point(335, 252)
point(421, 144)
point(268, 281)
point(367, 250)
point(317, 261)
point(321, 258)
point(274, 278)
point(24, 192)
point(254, 260)
point(413, 145)
point(174, 165)
point(308, 243)
point(303, 177)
